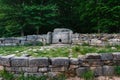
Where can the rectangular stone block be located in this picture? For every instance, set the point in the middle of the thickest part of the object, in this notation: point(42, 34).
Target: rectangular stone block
point(33, 74)
point(106, 56)
point(97, 70)
point(93, 56)
point(61, 61)
point(20, 61)
point(116, 56)
point(94, 62)
point(38, 62)
point(13, 69)
point(74, 61)
point(80, 71)
point(108, 70)
point(30, 69)
point(5, 60)
point(58, 69)
point(45, 69)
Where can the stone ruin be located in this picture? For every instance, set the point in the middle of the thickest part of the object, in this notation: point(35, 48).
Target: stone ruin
point(64, 36)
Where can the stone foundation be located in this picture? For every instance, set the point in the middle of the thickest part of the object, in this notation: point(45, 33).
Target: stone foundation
point(100, 64)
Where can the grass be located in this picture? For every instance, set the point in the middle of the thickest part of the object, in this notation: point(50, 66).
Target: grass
point(38, 51)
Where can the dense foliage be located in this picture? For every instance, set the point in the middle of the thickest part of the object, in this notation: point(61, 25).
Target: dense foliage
point(24, 17)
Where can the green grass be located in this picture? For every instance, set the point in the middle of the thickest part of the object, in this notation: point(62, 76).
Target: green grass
point(38, 51)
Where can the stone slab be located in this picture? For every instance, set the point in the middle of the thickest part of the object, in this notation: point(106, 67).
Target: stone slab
point(20, 61)
point(38, 62)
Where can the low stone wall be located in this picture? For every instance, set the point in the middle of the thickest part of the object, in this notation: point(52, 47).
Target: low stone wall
point(100, 64)
point(77, 38)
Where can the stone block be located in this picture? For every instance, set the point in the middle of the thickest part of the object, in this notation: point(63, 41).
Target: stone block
point(20, 61)
point(97, 70)
point(45, 69)
point(5, 60)
point(33, 74)
point(108, 70)
point(61, 61)
point(80, 71)
point(106, 56)
point(93, 56)
point(30, 69)
point(58, 69)
point(94, 62)
point(38, 62)
point(116, 56)
point(13, 69)
point(74, 61)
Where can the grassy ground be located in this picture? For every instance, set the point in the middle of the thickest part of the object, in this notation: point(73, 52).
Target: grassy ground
point(38, 51)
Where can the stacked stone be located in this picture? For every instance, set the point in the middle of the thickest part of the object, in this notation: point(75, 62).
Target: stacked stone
point(100, 64)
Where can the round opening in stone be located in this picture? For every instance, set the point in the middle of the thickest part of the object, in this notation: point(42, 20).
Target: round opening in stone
point(60, 40)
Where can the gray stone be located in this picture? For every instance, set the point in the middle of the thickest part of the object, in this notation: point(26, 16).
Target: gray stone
point(74, 61)
point(33, 74)
point(30, 69)
point(94, 62)
point(108, 70)
point(45, 69)
point(60, 61)
point(116, 55)
point(20, 61)
point(58, 69)
point(80, 71)
point(13, 69)
point(52, 75)
point(5, 60)
point(106, 56)
point(41, 62)
point(97, 71)
point(93, 56)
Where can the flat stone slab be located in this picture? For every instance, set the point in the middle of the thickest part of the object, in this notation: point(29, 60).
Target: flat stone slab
point(107, 56)
point(74, 61)
point(116, 55)
point(20, 61)
point(60, 61)
point(93, 56)
point(38, 62)
point(30, 69)
point(80, 71)
point(5, 60)
point(13, 69)
point(108, 70)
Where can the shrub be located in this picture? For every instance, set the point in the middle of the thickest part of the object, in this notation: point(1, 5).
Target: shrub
point(117, 70)
point(88, 75)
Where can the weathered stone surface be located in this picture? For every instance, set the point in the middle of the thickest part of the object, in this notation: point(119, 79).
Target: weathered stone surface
point(20, 61)
point(52, 74)
point(93, 56)
point(13, 69)
point(58, 69)
point(30, 69)
point(45, 69)
point(74, 61)
point(94, 62)
point(108, 70)
point(106, 56)
point(116, 56)
point(33, 74)
point(41, 62)
point(5, 60)
point(97, 70)
point(81, 71)
point(73, 66)
point(61, 61)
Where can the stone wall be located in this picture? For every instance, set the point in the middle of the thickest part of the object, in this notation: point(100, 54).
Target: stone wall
point(92, 39)
point(100, 64)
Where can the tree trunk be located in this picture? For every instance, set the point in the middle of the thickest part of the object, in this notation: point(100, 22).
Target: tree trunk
point(37, 32)
point(22, 32)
